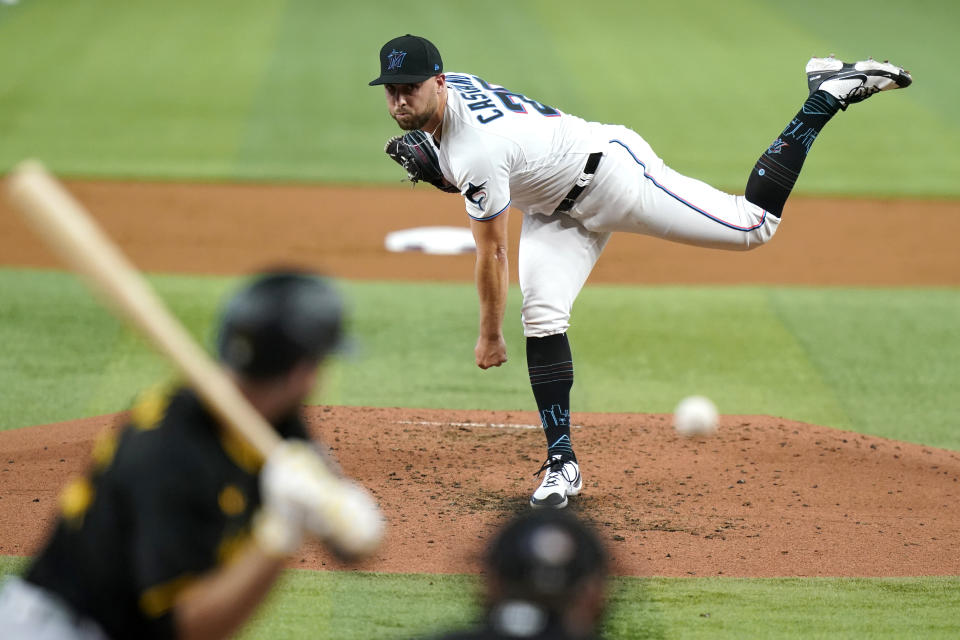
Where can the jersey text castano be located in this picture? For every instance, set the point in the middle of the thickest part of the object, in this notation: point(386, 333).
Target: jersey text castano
point(480, 96)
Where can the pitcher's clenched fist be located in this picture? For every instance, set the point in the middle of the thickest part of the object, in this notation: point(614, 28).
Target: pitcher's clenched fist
point(490, 352)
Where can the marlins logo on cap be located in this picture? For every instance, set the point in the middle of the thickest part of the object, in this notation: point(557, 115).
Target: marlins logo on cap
point(408, 59)
point(395, 59)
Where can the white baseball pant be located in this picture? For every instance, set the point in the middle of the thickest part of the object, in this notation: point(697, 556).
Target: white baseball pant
point(633, 191)
point(28, 612)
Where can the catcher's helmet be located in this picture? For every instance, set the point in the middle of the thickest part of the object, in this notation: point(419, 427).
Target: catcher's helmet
point(278, 320)
point(544, 555)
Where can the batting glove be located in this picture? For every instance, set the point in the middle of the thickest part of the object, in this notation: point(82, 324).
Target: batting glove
point(301, 495)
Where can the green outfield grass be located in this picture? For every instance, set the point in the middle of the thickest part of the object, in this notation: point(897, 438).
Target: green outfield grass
point(277, 89)
point(347, 606)
point(871, 360)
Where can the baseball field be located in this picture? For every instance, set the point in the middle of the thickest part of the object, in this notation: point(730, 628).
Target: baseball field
point(212, 139)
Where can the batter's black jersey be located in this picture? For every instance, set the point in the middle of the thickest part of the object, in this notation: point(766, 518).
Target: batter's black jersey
point(168, 499)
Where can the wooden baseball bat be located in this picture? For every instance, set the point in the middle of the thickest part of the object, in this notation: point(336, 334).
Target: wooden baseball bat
point(62, 223)
point(351, 519)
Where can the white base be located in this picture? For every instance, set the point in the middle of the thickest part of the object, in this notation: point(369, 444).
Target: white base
point(432, 240)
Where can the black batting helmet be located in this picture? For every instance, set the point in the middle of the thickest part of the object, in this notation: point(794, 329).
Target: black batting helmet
point(544, 555)
point(278, 320)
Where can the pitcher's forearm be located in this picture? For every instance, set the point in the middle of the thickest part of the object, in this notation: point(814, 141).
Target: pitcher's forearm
point(492, 276)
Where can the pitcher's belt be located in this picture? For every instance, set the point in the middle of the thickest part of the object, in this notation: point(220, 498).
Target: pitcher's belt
point(590, 168)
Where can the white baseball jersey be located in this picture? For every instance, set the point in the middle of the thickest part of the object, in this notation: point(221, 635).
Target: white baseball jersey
point(504, 149)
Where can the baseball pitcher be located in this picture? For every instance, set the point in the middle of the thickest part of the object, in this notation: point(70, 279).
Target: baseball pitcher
point(576, 182)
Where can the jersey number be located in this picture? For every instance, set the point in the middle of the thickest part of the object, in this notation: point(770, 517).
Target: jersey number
point(515, 101)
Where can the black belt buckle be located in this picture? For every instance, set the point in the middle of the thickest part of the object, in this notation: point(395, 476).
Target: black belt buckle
point(590, 168)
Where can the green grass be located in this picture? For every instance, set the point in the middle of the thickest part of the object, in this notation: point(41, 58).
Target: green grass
point(870, 360)
point(113, 88)
point(315, 605)
point(308, 604)
point(784, 608)
point(277, 89)
point(13, 565)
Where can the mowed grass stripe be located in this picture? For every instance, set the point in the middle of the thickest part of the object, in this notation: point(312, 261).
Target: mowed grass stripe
point(658, 72)
point(131, 89)
point(57, 342)
point(328, 604)
point(315, 117)
point(893, 367)
point(873, 360)
point(277, 89)
point(646, 348)
point(67, 357)
point(866, 141)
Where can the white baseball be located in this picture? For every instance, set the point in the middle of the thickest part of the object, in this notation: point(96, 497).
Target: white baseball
point(695, 416)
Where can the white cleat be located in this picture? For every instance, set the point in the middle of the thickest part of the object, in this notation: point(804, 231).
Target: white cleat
point(854, 82)
point(562, 480)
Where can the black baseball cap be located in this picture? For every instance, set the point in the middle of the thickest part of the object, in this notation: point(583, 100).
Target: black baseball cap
point(408, 60)
point(279, 319)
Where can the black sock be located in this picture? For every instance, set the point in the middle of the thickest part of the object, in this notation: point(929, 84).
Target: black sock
point(777, 170)
point(551, 376)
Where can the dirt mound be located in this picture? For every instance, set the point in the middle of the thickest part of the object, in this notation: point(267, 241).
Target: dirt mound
point(764, 497)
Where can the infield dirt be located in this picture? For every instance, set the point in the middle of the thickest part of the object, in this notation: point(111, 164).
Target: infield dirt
point(765, 497)
point(229, 228)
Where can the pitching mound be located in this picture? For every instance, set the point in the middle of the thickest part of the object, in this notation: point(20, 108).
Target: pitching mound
point(764, 497)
